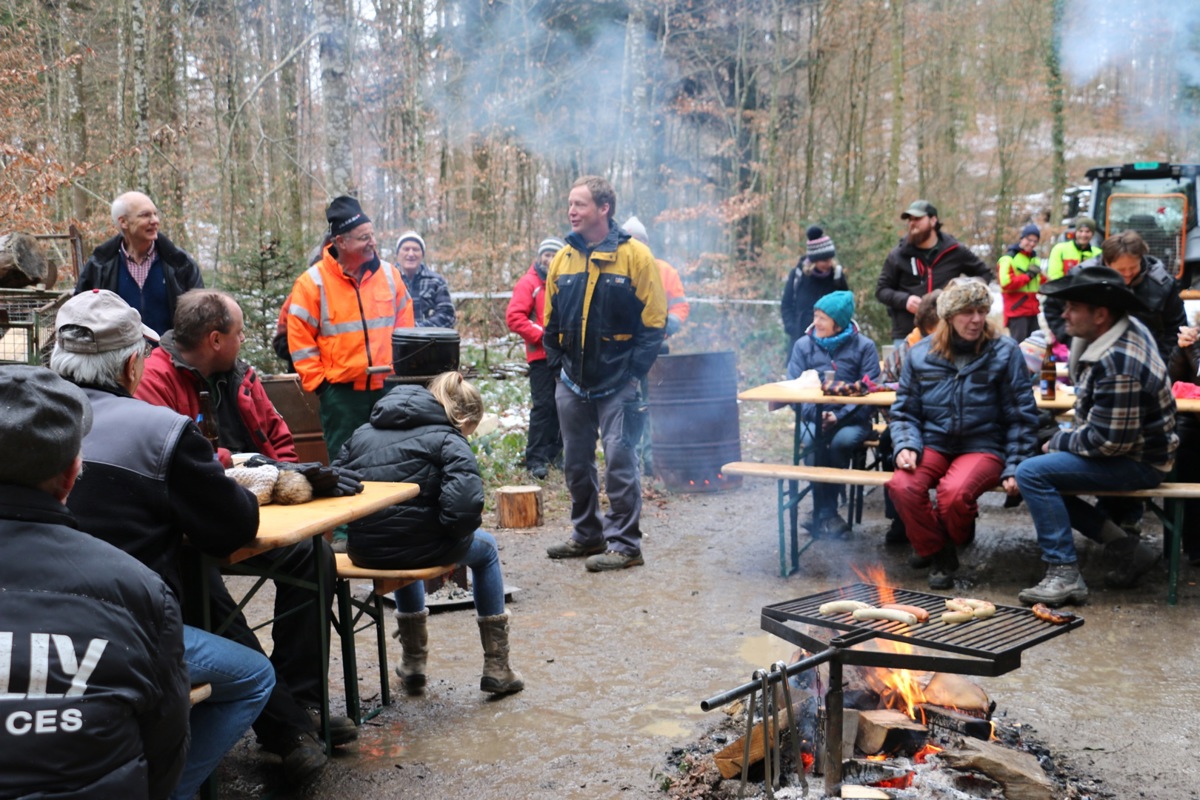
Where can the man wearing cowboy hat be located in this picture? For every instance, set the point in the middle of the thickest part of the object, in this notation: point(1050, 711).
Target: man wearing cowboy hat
point(1123, 438)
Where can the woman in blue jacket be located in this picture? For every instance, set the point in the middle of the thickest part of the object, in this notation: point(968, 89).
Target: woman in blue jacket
point(964, 418)
point(419, 435)
point(833, 344)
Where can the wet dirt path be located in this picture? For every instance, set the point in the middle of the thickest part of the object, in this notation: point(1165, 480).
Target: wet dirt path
point(617, 664)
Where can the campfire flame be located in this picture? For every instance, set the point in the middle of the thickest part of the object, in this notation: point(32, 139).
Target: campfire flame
point(899, 688)
point(925, 752)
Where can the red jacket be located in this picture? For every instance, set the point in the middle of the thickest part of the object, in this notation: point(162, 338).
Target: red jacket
point(169, 382)
point(525, 313)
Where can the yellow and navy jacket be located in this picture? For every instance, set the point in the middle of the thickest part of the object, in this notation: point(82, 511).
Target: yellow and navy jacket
point(605, 313)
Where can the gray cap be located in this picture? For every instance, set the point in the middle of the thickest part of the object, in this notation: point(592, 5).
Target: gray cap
point(919, 208)
point(108, 323)
point(43, 419)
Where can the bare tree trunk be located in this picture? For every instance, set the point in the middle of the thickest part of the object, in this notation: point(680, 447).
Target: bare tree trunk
point(636, 136)
point(141, 94)
point(897, 138)
point(77, 147)
point(1058, 139)
point(333, 16)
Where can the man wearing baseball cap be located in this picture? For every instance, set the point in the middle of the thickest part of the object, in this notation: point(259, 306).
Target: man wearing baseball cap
point(926, 259)
point(150, 478)
point(117, 712)
point(1123, 438)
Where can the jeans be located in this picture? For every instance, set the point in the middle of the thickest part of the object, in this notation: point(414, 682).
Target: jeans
point(960, 480)
point(836, 450)
point(241, 681)
point(487, 584)
point(1043, 478)
point(581, 419)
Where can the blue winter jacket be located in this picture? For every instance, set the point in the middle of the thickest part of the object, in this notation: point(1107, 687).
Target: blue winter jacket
point(852, 360)
point(986, 407)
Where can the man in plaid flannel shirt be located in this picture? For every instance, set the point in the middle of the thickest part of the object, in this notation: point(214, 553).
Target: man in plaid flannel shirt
point(1123, 436)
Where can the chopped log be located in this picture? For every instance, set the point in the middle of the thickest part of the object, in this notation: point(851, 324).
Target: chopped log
point(729, 759)
point(1019, 773)
point(889, 731)
point(956, 691)
point(950, 721)
point(519, 507)
point(22, 262)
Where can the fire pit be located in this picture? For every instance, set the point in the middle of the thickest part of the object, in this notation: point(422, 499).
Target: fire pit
point(984, 647)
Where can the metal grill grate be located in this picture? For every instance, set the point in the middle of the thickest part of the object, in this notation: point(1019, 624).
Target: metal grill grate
point(1010, 631)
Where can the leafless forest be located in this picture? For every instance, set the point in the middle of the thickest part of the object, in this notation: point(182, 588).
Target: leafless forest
point(727, 125)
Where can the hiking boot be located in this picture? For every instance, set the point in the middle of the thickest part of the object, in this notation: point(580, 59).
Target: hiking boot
point(342, 730)
point(498, 676)
point(943, 566)
point(832, 528)
point(573, 549)
point(302, 753)
point(896, 533)
point(1061, 584)
point(1130, 560)
point(539, 471)
point(612, 560)
point(919, 562)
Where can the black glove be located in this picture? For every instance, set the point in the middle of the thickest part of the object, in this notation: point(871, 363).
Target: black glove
point(1034, 269)
point(325, 481)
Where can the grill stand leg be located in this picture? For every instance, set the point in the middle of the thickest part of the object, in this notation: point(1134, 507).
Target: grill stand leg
point(833, 728)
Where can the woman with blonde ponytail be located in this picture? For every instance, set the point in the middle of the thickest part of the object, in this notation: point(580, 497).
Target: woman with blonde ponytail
point(418, 435)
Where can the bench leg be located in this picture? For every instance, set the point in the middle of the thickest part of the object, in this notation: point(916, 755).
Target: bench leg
point(385, 692)
point(1174, 534)
point(345, 630)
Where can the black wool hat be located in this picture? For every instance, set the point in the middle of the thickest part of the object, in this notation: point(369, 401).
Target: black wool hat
point(344, 214)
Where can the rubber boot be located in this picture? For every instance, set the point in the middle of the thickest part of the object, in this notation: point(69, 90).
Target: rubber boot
point(414, 642)
point(497, 678)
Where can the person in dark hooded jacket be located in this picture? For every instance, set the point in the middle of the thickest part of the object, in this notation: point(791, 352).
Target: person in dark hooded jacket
point(418, 435)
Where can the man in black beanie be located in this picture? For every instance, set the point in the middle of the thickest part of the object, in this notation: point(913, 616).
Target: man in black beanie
point(814, 276)
point(341, 316)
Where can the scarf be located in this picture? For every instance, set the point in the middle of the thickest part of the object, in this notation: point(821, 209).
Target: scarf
point(831, 343)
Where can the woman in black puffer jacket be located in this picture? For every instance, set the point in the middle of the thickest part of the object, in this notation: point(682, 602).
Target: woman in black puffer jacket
point(418, 435)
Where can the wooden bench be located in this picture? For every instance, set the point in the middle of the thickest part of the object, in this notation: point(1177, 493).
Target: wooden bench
point(1170, 512)
point(350, 611)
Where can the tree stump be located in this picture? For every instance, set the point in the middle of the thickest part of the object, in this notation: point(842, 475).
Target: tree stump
point(519, 507)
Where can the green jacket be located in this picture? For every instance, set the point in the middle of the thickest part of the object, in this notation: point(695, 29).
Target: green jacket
point(1065, 255)
point(1020, 286)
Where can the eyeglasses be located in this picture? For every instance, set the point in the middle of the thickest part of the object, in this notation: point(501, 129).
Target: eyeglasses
point(147, 348)
point(361, 239)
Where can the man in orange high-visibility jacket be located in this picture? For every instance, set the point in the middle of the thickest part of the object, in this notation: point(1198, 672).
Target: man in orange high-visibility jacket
point(340, 321)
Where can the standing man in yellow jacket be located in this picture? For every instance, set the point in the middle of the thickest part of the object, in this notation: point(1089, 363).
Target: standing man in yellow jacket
point(1065, 255)
point(605, 316)
point(340, 321)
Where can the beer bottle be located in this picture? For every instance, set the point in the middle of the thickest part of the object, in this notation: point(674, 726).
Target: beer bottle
point(1049, 376)
point(207, 420)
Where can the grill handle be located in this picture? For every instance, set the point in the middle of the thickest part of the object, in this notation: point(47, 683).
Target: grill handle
point(745, 689)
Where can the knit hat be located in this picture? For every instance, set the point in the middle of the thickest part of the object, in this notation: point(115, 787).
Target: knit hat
point(838, 306)
point(344, 214)
point(551, 245)
point(99, 321)
point(410, 236)
point(820, 246)
point(919, 208)
point(43, 419)
point(634, 227)
point(1031, 230)
point(1085, 222)
point(963, 293)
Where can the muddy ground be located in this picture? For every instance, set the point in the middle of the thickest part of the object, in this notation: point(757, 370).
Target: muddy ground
point(616, 664)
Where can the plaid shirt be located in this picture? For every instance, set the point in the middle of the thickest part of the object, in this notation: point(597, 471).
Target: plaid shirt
point(140, 270)
point(1123, 400)
point(432, 306)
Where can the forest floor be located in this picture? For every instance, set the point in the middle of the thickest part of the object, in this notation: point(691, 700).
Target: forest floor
point(616, 664)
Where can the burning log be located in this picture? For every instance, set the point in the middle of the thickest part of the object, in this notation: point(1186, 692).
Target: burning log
point(955, 691)
point(889, 731)
point(950, 721)
point(519, 507)
point(729, 759)
point(1019, 773)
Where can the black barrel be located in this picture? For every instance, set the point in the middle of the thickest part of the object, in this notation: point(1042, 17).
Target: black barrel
point(422, 353)
point(694, 426)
